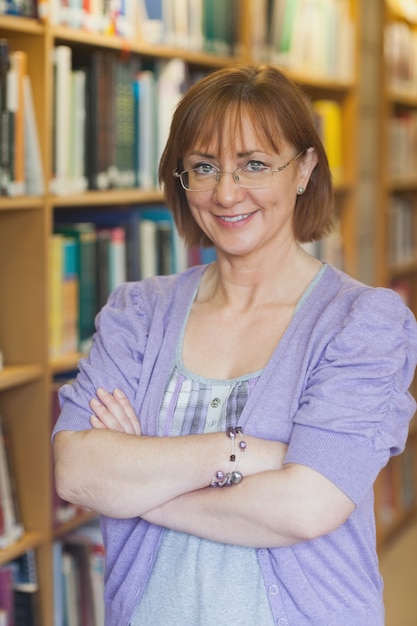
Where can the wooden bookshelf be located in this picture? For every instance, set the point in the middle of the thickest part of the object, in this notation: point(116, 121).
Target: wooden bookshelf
point(26, 224)
point(396, 229)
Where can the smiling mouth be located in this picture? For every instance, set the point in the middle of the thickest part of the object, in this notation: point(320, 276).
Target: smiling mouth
point(235, 218)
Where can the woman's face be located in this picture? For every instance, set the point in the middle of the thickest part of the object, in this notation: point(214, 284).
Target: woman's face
point(242, 221)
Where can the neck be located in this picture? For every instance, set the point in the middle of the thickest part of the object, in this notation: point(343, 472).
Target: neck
point(241, 283)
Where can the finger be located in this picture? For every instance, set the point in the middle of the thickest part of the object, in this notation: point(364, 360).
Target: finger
point(114, 414)
point(104, 416)
point(130, 413)
point(96, 423)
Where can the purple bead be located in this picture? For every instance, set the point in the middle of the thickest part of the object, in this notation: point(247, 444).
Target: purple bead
point(231, 432)
point(242, 445)
point(220, 475)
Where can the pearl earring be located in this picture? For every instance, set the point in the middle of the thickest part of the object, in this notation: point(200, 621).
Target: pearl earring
point(300, 190)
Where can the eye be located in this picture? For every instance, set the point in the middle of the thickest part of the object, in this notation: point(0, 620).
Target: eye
point(255, 166)
point(205, 169)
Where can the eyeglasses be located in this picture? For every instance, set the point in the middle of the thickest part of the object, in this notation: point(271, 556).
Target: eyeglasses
point(251, 176)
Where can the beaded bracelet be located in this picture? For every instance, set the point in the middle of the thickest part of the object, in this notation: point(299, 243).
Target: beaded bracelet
point(233, 476)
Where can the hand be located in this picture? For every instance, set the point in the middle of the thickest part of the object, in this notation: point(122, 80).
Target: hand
point(113, 411)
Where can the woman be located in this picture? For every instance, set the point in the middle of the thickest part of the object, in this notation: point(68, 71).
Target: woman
point(267, 365)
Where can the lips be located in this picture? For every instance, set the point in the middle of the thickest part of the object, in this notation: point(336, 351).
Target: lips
point(234, 218)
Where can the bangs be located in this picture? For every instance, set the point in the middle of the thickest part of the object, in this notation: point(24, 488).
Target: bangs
point(210, 125)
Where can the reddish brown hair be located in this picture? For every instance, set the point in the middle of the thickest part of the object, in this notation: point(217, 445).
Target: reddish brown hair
point(280, 114)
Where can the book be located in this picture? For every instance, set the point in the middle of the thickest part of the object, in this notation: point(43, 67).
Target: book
point(85, 545)
point(313, 37)
point(34, 173)
point(328, 115)
point(84, 236)
point(77, 149)
point(62, 58)
point(56, 307)
point(78, 577)
point(402, 137)
point(71, 596)
point(6, 120)
point(151, 21)
point(400, 46)
point(125, 124)
point(401, 238)
point(111, 261)
point(16, 95)
point(171, 77)
point(26, 590)
point(159, 243)
point(12, 529)
point(58, 584)
point(6, 595)
point(99, 122)
point(144, 95)
point(63, 296)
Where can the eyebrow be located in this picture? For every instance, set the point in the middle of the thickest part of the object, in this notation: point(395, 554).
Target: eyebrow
point(240, 155)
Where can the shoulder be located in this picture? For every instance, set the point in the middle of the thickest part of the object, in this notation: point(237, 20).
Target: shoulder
point(350, 296)
point(367, 322)
point(157, 291)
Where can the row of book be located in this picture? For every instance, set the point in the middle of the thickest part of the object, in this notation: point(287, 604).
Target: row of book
point(20, 157)
point(94, 251)
point(118, 17)
point(111, 119)
point(404, 287)
point(78, 561)
point(78, 556)
point(330, 249)
point(401, 231)
point(315, 37)
point(116, 135)
point(402, 136)
point(328, 120)
point(78, 582)
point(400, 50)
point(211, 26)
point(11, 525)
point(21, 8)
point(19, 592)
point(396, 489)
point(405, 8)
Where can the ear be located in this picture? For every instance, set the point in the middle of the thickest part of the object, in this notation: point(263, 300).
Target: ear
point(306, 166)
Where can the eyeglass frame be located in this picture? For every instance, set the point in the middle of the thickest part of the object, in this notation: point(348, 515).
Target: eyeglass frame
point(179, 175)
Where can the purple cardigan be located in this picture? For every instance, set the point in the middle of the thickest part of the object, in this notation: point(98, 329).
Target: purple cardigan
point(335, 390)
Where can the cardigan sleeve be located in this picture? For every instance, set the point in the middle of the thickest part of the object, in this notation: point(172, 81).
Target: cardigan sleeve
point(355, 410)
point(115, 358)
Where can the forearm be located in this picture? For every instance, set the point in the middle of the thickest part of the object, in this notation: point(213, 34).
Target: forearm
point(271, 509)
point(122, 475)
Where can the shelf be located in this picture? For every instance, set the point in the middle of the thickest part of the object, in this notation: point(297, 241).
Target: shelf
point(14, 375)
point(78, 520)
point(403, 184)
point(108, 198)
point(25, 25)
point(402, 96)
point(68, 35)
point(29, 540)
point(20, 203)
point(65, 363)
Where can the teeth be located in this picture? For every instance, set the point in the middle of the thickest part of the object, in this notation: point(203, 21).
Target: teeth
point(236, 218)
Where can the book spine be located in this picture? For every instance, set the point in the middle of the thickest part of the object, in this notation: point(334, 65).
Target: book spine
point(18, 64)
point(6, 120)
point(60, 183)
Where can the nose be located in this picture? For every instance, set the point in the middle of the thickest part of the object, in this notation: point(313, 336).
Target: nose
point(227, 192)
